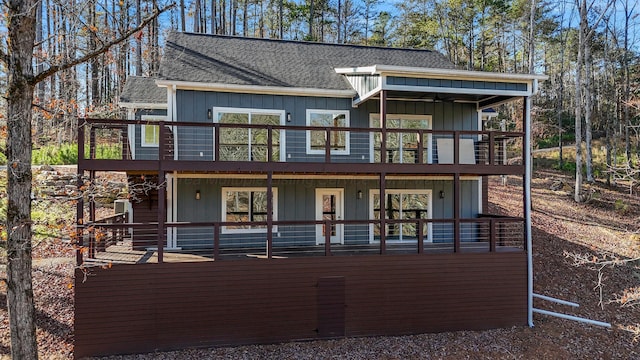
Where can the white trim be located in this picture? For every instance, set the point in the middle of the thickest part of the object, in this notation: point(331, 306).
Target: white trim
point(440, 73)
point(249, 111)
point(131, 132)
point(223, 213)
point(142, 105)
point(143, 129)
point(339, 214)
point(311, 177)
point(347, 148)
point(367, 96)
point(256, 89)
point(428, 117)
point(171, 95)
point(429, 192)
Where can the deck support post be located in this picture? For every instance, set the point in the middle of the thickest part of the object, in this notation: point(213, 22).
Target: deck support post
point(92, 217)
point(383, 214)
point(456, 212)
point(269, 214)
point(162, 193)
point(80, 203)
point(383, 126)
point(526, 162)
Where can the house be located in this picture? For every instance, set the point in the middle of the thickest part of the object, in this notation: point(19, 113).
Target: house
point(340, 190)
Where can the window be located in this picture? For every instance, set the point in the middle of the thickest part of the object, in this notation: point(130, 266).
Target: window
point(339, 139)
point(246, 205)
point(150, 134)
point(402, 205)
point(402, 147)
point(245, 143)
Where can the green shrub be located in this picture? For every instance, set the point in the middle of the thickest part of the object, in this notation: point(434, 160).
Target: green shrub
point(67, 154)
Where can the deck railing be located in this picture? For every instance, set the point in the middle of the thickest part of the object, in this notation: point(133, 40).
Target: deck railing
point(211, 240)
point(223, 142)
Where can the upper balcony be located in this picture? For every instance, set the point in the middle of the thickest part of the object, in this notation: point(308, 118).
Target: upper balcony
point(261, 148)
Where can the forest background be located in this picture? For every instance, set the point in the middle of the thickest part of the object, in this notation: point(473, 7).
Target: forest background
point(588, 50)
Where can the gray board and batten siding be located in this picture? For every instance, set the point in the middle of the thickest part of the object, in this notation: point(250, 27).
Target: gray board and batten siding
point(145, 152)
point(296, 201)
point(196, 144)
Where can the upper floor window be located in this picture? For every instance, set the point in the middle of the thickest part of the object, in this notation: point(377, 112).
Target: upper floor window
point(402, 146)
point(242, 143)
point(150, 134)
point(338, 139)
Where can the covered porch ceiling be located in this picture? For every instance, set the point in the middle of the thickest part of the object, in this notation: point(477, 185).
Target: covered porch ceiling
point(485, 89)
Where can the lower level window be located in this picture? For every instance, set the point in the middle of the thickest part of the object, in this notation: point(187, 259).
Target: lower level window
point(244, 206)
point(402, 205)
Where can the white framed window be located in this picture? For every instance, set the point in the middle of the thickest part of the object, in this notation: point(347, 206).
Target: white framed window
point(247, 205)
point(402, 147)
point(249, 144)
point(150, 134)
point(339, 139)
point(401, 204)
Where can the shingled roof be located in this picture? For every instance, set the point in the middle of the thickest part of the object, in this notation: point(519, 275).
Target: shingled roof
point(232, 60)
point(143, 90)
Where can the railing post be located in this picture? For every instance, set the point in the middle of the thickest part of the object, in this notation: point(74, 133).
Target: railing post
point(216, 142)
point(492, 235)
point(327, 145)
point(327, 238)
point(269, 215)
point(92, 143)
point(80, 203)
point(216, 242)
point(421, 159)
point(269, 143)
point(456, 148)
point(492, 139)
point(420, 236)
point(162, 194)
point(383, 214)
point(456, 211)
point(81, 130)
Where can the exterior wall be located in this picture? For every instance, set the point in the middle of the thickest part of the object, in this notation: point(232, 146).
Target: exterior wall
point(146, 308)
point(196, 144)
point(145, 153)
point(297, 202)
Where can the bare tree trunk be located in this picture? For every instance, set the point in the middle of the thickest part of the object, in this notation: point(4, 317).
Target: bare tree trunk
point(578, 105)
point(183, 21)
point(20, 304)
point(627, 83)
point(139, 37)
point(214, 15)
point(588, 109)
point(245, 18)
point(532, 24)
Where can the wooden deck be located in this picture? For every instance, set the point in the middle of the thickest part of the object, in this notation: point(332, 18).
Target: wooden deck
point(123, 253)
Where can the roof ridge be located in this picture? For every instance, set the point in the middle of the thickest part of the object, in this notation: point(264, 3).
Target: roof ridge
point(239, 37)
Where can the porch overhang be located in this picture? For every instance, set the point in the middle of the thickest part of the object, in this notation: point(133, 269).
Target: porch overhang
point(485, 89)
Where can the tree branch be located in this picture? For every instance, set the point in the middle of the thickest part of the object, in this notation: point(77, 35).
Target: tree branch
point(55, 68)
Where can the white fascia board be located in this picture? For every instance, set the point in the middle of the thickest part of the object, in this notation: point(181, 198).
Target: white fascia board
point(362, 70)
point(458, 74)
point(448, 90)
point(366, 96)
point(137, 105)
point(255, 89)
point(424, 72)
